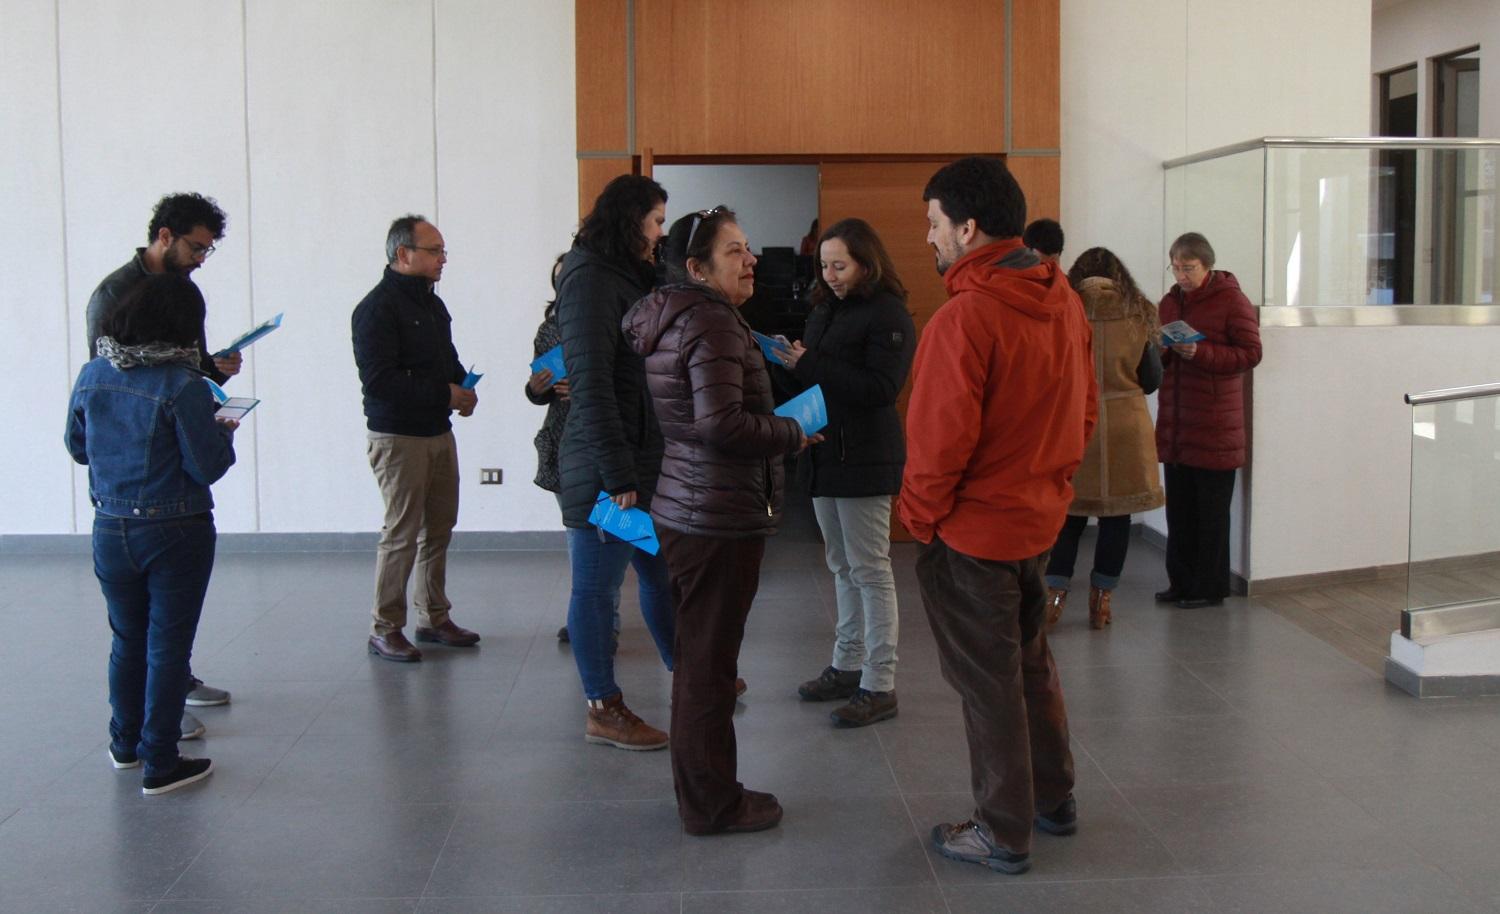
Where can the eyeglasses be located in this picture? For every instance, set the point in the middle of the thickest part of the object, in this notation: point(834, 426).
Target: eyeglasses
point(201, 251)
point(436, 252)
point(698, 218)
point(1188, 270)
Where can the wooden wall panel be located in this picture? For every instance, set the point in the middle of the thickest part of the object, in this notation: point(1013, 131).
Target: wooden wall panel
point(1036, 100)
point(826, 77)
point(593, 174)
point(602, 69)
point(1040, 178)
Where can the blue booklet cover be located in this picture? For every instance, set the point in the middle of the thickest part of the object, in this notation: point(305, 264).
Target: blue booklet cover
point(552, 359)
point(1180, 332)
point(771, 345)
point(630, 524)
point(250, 336)
point(236, 408)
point(808, 408)
point(472, 380)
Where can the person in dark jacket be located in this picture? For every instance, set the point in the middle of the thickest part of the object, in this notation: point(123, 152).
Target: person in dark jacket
point(718, 499)
point(1200, 422)
point(858, 347)
point(181, 236)
point(142, 420)
point(412, 380)
point(611, 444)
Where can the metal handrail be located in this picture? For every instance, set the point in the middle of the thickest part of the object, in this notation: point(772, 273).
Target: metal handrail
point(1333, 142)
point(1454, 393)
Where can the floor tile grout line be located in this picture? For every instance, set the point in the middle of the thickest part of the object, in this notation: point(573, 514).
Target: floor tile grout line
point(1135, 812)
point(912, 820)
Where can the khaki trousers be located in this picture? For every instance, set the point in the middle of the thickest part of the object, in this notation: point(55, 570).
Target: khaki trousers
point(418, 478)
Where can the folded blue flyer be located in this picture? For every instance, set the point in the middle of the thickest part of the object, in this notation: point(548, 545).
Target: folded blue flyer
point(236, 408)
point(250, 336)
point(1180, 332)
point(808, 408)
point(551, 359)
point(771, 345)
point(629, 524)
point(471, 380)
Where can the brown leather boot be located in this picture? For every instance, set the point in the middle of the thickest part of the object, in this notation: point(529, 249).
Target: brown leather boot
point(613, 724)
point(1098, 607)
point(1056, 599)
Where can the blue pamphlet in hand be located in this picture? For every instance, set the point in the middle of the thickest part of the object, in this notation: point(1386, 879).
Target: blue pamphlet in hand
point(551, 359)
point(629, 524)
point(236, 408)
point(808, 408)
point(1180, 332)
point(250, 336)
point(771, 345)
point(471, 380)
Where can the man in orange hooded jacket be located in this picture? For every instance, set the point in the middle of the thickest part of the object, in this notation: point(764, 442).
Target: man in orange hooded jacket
point(1003, 401)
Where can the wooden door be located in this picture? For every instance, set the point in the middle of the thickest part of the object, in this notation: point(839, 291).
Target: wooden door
point(888, 195)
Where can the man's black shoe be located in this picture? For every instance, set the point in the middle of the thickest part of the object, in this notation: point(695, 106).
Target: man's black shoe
point(1061, 821)
point(1170, 595)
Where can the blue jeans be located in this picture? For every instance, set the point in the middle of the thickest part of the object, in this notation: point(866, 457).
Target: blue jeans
point(154, 575)
point(598, 567)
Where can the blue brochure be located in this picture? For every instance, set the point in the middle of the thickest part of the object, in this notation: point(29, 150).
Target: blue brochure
point(552, 359)
point(770, 345)
point(236, 408)
point(250, 336)
point(630, 524)
point(472, 380)
point(808, 408)
point(1180, 332)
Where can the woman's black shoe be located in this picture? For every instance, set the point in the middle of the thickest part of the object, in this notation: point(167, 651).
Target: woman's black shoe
point(1168, 596)
point(1199, 602)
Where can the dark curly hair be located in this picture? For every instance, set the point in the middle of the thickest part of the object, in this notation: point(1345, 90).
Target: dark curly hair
point(1045, 236)
point(692, 237)
point(1103, 262)
point(161, 308)
point(868, 251)
point(613, 227)
point(983, 189)
point(181, 213)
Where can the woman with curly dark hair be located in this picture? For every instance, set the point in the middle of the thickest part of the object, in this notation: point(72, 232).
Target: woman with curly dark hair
point(1118, 476)
point(718, 500)
point(611, 444)
point(858, 347)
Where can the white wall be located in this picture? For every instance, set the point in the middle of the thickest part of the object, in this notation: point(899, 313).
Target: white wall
point(313, 125)
point(775, 204)
point(1416, 31)
point(1150, 81)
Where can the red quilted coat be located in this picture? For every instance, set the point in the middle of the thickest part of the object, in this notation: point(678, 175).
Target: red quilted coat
point(1200, 420)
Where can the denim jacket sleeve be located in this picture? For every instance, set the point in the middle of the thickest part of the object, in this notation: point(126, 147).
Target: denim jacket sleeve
point(207, 446)
point(74, 436)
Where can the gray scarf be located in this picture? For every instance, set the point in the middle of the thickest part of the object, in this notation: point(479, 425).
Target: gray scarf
point(146, 354)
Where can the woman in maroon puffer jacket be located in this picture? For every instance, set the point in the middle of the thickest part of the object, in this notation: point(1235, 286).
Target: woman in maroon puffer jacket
point(1201, 421)
point(717, 499)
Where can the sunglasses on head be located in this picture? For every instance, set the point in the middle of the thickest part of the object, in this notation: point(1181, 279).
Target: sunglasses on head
point(698, 218)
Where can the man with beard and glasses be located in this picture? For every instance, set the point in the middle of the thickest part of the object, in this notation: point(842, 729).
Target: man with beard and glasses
point(1003, 400)
point(183, 231)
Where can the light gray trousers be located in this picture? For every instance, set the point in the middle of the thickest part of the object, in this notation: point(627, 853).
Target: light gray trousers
point(857, 537)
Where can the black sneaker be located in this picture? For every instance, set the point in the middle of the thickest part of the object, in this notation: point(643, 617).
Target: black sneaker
point(124, 759)
point(865, 708)
point(831, 684)
point(188, 771)
point(1060, 821)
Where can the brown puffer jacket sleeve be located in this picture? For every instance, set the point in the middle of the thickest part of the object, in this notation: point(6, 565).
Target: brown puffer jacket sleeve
point(731, 411)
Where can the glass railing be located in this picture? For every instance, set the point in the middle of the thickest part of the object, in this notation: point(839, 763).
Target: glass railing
point(1453, 569)
point(1331, 222)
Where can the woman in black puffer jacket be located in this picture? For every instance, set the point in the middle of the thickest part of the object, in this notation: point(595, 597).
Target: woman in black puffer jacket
point(718, 499)
point(858, 347)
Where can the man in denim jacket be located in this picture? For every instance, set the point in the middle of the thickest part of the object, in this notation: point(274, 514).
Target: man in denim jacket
point(412, 380)
point(180, 238)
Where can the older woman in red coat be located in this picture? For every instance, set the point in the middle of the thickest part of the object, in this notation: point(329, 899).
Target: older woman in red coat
point(1200, 423)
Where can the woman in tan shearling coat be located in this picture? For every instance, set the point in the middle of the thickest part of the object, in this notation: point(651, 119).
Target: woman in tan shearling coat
point(1119, 474)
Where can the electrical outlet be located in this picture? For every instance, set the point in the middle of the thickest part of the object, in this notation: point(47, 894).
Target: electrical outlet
point(491, 476)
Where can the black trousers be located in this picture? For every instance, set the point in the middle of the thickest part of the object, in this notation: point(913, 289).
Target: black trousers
point(1109, 549)
point(714, 580)
point(1198, 530)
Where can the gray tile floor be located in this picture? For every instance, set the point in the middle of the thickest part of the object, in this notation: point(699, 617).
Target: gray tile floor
point(1227, 761)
